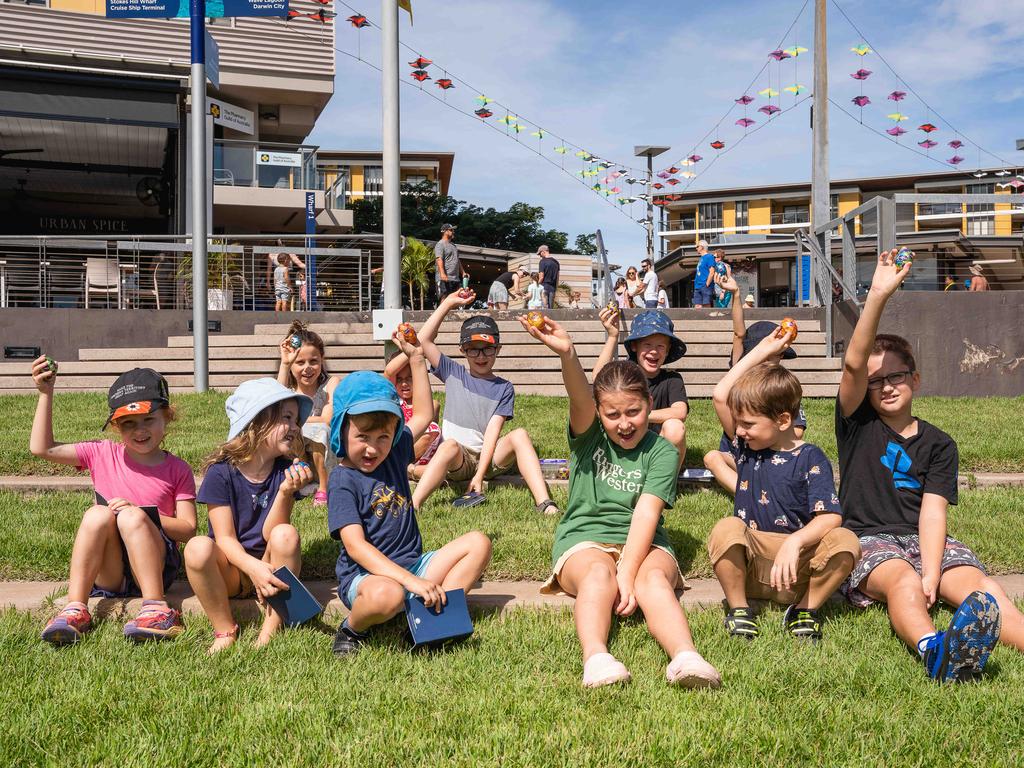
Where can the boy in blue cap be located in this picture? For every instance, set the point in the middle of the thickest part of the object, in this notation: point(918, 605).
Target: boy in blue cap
point(370, 507)
point(651, 344)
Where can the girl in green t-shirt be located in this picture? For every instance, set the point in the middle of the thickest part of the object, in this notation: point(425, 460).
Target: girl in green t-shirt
point(610, 551)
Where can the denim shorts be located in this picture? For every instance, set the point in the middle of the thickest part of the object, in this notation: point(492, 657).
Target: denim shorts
point(703, 296)
point(416, 569)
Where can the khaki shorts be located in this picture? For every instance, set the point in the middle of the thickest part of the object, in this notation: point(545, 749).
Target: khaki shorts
point(470, 463)
point(761, 547)
point(552, 587)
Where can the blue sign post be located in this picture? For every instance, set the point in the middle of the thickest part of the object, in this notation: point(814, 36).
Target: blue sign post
point(310, 257)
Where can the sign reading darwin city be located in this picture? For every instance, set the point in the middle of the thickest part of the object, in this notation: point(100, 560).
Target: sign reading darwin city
point(165, 9)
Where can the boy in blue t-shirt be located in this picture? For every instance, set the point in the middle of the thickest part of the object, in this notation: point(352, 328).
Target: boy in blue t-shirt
point(784, 542)
point(370, 507)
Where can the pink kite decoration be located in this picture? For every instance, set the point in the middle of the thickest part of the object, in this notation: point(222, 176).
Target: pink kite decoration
point(927, 143)
point(897, 96)
point(716, 144)
point(779, 55)
point(1014, 183)
point(695, 158)
point(615, 190)
point(896, 131)
point(861, 74)
point(673, 182)
point(955, 160)
point(745, 122)
point(663, 174)
point(673, 169)
point(927, 128)
point(744, 99)
point(769, 109)
point(861, 101)
point(956, 143)
point(658, 185)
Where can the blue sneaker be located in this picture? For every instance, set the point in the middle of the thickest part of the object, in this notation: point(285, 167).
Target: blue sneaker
point(960, 653)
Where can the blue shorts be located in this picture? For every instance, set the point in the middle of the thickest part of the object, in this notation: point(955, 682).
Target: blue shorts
point(703, 296)
point(416, 569)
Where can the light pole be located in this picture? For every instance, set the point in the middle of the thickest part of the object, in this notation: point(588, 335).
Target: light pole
point(650, 152)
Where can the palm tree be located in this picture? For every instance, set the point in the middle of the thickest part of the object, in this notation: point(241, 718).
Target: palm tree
point(417, 259)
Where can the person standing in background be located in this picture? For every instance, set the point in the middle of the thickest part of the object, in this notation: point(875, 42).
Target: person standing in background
point(549, 269)
point(446, 258)
point(979, 282)
point(649, 278)
point(702, 290)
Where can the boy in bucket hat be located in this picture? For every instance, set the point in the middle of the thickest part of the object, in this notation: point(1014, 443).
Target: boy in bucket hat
point(477, 405)
point(370, 508)
point(651, 344)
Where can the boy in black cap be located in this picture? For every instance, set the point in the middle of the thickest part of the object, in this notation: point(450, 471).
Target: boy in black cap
point(720, 462)
point(477, 405)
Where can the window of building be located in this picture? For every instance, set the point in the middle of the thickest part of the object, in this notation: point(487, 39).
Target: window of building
point(795, 214)
point(373, 180)
point(981, 225)
point(710, 215)
point(833, 206)
point(742, 213)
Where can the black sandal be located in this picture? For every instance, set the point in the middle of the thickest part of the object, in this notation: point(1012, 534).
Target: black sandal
point(544, 505)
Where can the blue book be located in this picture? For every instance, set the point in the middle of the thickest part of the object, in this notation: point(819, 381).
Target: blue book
point(431, 628)
point(296, 605)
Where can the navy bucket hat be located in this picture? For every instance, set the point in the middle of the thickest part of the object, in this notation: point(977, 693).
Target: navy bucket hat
point(650, 323)
point(757, 332)
point(363, 392)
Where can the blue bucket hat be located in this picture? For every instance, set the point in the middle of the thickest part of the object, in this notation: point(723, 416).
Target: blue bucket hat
point(253, 396)
point(362, 392)
point(756, 333)
point(650, 323)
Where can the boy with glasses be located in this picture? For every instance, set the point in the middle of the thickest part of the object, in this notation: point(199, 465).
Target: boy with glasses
point(899, 475)
point(477, 405)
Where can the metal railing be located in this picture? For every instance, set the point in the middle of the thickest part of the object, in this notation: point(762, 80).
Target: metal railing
point(264, 164)
point(801, 216)
point(155, 272)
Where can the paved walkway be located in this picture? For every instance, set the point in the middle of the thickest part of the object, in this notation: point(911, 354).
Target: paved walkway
point(492, 595)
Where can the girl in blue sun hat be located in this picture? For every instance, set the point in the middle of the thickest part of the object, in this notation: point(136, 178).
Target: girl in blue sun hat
point(651, 344)
point(249, 488)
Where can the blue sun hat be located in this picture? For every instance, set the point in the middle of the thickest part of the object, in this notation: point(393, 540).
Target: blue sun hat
point(362, 392)
point(253, 396)
point(650, 323)
point(756, 333)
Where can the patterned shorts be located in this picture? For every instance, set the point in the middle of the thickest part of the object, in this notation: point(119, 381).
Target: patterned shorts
point(877, 548)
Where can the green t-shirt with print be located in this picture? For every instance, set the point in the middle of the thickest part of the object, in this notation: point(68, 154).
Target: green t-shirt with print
point(605, 484)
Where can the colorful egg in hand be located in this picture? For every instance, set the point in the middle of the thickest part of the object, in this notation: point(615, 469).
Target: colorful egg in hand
point(296, 341)
point(903, 256)
point(51, 364)
point(788, 325)
point(408, 332)
point(536, 319)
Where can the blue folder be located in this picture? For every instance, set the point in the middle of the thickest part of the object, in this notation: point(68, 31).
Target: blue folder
point(428, 627)
point(295, 605)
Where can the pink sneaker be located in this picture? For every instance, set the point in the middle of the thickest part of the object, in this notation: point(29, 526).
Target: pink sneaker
point(689, 670)
point(320, 499)
point(604, 669)
point(68, 626)
point(155, 622)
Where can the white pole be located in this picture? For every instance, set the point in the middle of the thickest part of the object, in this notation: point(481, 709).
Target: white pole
point(392, 156)
point(200, 349)
point(820, 195)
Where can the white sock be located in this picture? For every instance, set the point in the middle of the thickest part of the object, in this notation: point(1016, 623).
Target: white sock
point(923, 642)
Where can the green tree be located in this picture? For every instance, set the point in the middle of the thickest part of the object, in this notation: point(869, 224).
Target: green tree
point(417, 261)
point(586, 244)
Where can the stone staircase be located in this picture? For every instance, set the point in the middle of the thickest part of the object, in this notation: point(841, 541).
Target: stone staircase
point(529, 365)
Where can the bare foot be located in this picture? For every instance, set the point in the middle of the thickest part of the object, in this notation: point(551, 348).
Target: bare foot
point(220, 644)
point(271, 626)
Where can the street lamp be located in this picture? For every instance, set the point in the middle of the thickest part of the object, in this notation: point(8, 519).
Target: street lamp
point(650, 152)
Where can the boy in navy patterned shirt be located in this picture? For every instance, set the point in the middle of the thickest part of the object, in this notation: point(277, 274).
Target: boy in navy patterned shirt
point(784, 543)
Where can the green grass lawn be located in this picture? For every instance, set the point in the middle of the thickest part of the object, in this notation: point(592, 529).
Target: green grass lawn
point(511, 696)
point(37, 530)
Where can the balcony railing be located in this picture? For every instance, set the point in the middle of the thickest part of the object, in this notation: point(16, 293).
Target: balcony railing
point(800, 216)
point(264, 164)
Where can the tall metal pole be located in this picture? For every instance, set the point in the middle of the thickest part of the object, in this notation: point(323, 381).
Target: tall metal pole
point(820, 194)
point(649, 224)
point(200, 347)
point(392, 156)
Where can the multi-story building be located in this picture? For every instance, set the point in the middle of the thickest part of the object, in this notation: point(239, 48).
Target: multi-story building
point(755, 226)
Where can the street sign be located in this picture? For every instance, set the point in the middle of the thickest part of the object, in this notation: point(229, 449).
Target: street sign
point(230, 116)
point(286, 159)
point(167, 9)
point(212, 60)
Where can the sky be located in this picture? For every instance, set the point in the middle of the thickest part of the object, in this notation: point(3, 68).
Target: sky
point(607, 76)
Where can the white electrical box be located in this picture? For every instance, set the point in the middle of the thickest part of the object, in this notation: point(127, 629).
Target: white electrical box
point(385, 322)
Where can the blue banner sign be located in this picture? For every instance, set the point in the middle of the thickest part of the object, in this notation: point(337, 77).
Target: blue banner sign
point(166, 9)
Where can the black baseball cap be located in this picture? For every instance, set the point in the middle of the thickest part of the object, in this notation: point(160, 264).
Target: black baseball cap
point(136, 392)
point(758, 331)
point(479, 328)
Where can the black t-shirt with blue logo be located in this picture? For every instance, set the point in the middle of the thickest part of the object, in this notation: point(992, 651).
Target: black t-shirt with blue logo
point(884, 476)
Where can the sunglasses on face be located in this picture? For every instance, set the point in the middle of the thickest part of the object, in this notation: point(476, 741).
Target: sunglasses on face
point(475, 352)
point(893, 380)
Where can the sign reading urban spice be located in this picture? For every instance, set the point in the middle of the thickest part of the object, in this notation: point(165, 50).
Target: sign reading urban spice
point(165, 9)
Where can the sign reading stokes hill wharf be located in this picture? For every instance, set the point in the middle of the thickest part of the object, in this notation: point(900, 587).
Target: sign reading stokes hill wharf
point(166, 9)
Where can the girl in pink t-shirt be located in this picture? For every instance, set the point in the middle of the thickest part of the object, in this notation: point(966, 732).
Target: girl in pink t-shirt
point(399, 373)
point(127, 543)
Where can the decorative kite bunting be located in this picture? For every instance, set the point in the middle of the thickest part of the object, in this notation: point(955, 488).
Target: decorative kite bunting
point(687, 162)
point(293, 14)
point(539, 133)
point(603, 164)
point(746, 122)
point(688, 174)
point(483, 100)
point(507, 120)
point(673, 182)
point(421, 63)
point(979, 174)
point(663, 174)
point(897, 96)
point(744, 99)
point(779, 54)
point(795, 51)
point(583, 155)
point(796, 89)
point(358, 21)
point(615, 190)
point(861, 74)
point(927, 128)
point(896, 131)
point(769, 109)
point(899, 117)
point(768, 93)
point(419, 74)
point(955, 160)
point(861, 50)
point(1002, 172)
point(861, 101)
point(1011, 184)
point(695, 158)
point(927, 143)
point(561, 149)
point(630, 180)
point(673, 169)
point(956, 144)
point(658, 185)
point(483, 112)
point(716, 144)
point(444, 83)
